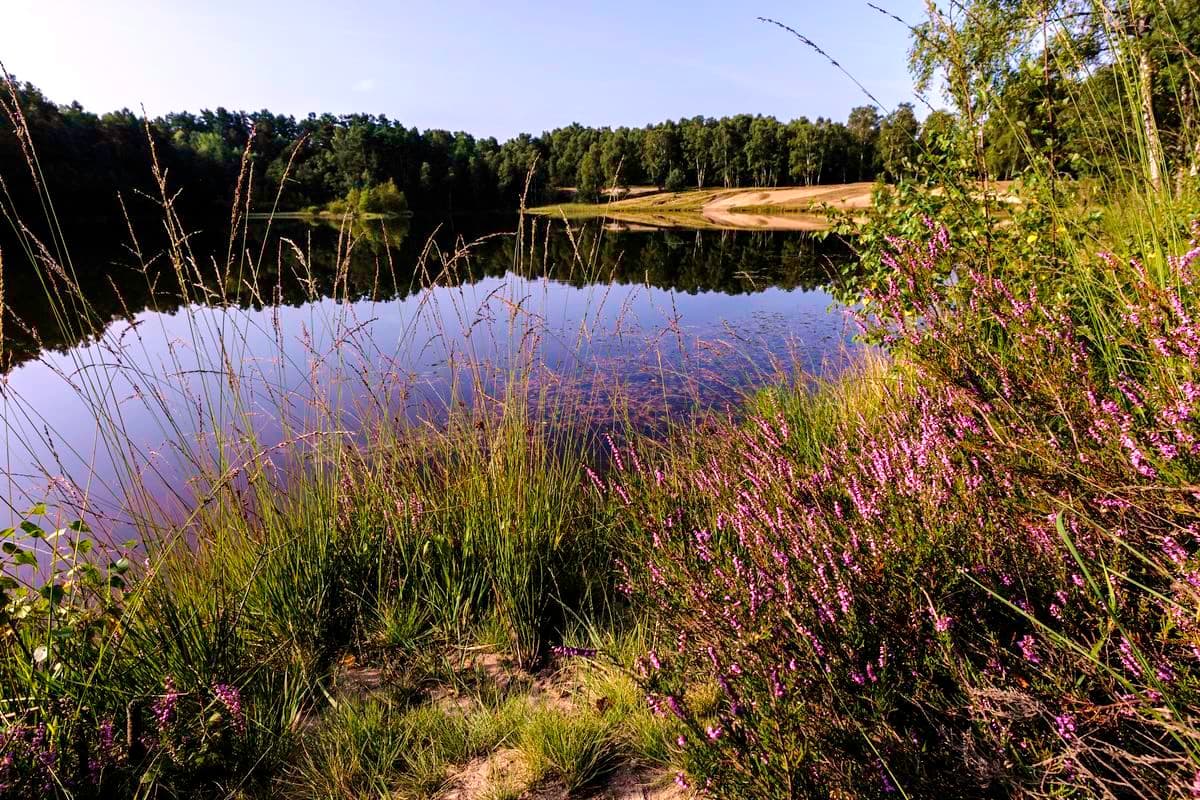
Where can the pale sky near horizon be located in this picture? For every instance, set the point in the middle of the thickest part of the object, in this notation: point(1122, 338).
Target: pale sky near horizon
point(491, 68)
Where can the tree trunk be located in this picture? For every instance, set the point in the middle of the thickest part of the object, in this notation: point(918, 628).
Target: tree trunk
point(1154, 152)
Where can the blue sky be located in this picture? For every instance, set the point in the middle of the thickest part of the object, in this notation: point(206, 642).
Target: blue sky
point(492, 68)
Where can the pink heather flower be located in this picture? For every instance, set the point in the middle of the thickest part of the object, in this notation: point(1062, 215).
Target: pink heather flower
point(229, 697)
point(163, 707)
point(591, 473)
point(1065, 723)
point(1028, 646)
point(1173, 550)
point(1128, 659)
point(616, 453)
point(713, 732)
point(885, 780)
point(675, 706)
point(681, 781)
point(637, 462)
point(563, 651)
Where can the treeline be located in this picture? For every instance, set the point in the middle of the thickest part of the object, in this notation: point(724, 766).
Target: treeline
point(86, 158)
point(1057, 104)
point(737, 151)
point(326, 157)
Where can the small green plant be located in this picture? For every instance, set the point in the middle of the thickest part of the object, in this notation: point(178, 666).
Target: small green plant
point(574, 749)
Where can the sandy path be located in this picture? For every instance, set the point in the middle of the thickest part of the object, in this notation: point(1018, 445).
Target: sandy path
point(842, 196)
point(781, 222)
point(793, 208)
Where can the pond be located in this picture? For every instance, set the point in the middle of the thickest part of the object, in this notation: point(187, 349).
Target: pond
point(154, 370)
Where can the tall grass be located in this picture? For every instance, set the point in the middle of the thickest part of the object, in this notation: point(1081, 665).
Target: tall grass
point(287, 530)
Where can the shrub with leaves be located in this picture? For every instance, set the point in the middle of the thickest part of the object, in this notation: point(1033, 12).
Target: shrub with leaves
point(971, 571)
point(110, 681)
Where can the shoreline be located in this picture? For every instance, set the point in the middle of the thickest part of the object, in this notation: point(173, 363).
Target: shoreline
point(793, 208)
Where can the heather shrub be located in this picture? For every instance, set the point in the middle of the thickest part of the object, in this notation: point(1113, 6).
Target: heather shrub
point(969, 571)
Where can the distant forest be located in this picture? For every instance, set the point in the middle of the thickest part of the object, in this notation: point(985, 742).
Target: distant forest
point(86, 158)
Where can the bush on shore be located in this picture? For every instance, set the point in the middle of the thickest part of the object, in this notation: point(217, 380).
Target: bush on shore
point(970, 571)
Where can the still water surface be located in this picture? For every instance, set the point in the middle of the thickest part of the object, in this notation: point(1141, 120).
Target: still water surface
point(316, 329)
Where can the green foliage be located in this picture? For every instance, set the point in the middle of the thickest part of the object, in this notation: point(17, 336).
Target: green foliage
point(1093, 88)
point(573, 749)
point(676, 180)
point(898, 142)
point(329, 162)
point(373, 747)
point(112, 680)
point(384, 200)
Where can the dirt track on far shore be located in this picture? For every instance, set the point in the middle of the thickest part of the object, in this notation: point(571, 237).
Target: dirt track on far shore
point(789, 208)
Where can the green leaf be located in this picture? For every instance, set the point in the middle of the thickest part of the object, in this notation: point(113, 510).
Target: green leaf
point(37, 511)
point(52, 592)
point(79, 526)
point(32, 530)
point(25, 558)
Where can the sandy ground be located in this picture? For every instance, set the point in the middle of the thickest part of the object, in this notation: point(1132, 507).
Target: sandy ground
point(799, 208)
point(791, 222)
point(485, 777)
point(844, 197)
point(791, 208)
